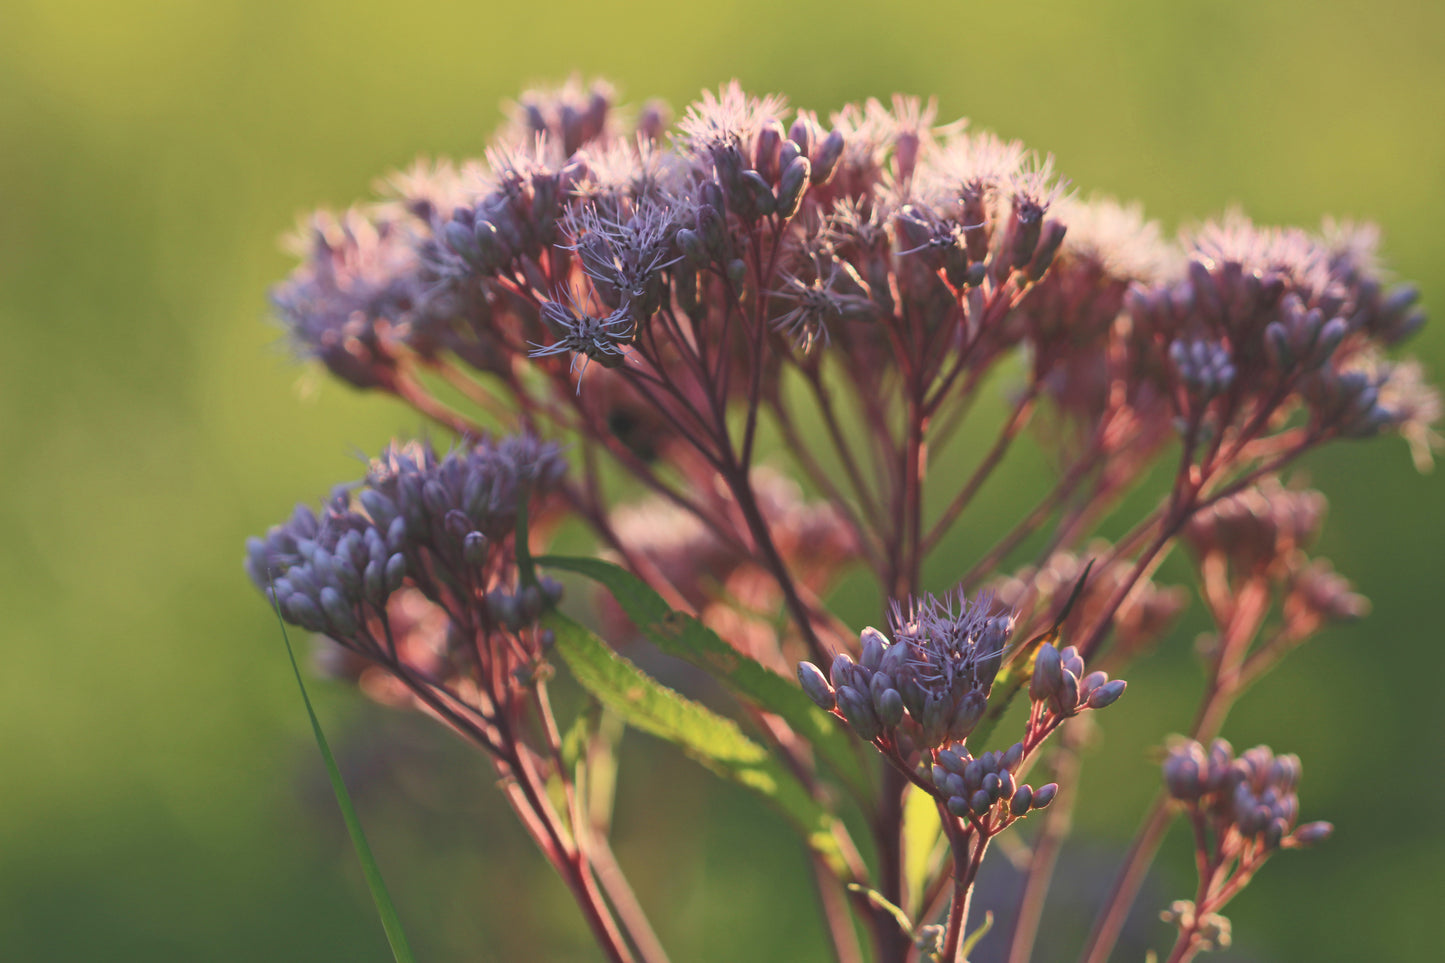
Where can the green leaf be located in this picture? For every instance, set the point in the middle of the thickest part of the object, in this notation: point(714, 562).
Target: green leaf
point(390, 921)
point(922, 829)
point(881, 901)
point(972, 939)
point(682, 636)
point(713, 740)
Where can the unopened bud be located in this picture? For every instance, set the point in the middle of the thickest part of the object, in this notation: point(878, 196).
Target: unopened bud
point(1106, 694)
point(874, 645)
point(825, 161)
point(810, 677)
point(1048, 673)
point(1311, 833)
point(474, 548)
point(791, 185)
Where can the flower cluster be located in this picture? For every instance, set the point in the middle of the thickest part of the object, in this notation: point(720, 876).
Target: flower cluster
point(1248, 802)
point(977, 788)
point(420, 525)
point(1243, 809)
point(1059, 681)
point(759, 303)
point(931, 682)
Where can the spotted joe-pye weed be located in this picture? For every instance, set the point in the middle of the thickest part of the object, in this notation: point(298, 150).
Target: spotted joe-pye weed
point(609, 309)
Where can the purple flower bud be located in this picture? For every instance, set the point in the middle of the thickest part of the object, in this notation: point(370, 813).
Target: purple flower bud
point(1065, 701)
point(959, 806)
point(874, 645)
point(300, 610)
point(690, 243)
point(1183, 771)
point(951, 761)
point(1045, 794)
point(889, 708)
point(791, 185)
point(1007, 783)
point(859, 713)
point(939, 775)
point(338, 612)
point(381, 509)
point(1048, 673)
point(1285, 772)
point(973, 773)
point(765, 151)
point(1106, 694)
point(395, 572)
point(1311, 833)
point(878, 683)
point(1048, 247)
point(992, 785)
point(895, 658)
point(825, 160)
point(839, 671)
point(1022, 799)
point(980, 802)
point(1329, 339)
point(970, 709)
point(810, 677)
point(1277, 345)
point(754, 198)
point(801, 136)
point(1012, 756)
point(374, 582)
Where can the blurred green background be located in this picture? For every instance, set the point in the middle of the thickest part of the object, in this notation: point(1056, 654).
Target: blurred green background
point(160, 797)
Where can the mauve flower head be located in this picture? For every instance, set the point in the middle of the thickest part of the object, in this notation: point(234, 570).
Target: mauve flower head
point(1317, 594)
point(442, 521)
point(1294, 316)
point(353, 297)
point(571, 115)
point(1253, 794)
point(932, 680)
point(1258, 530)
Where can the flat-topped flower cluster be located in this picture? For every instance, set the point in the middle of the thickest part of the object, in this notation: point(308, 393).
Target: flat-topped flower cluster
point(680, 304)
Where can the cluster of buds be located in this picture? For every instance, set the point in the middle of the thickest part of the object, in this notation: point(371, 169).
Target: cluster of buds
point(1260, 535)
point(1248, 802)
point(1211, 931)
point(930, 684)
point(1060, 683)
point(441, 527)
point(977, 788)
point(890, 264)
point(1243, 810)
point(1258, 530)
point(929, 687)
point(1269, 318)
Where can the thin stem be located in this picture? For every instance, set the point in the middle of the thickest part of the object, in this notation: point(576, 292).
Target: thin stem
point(1224, 689)
point(836, 918)
point(1009, 432)
point(1058, 823)
point(629, 911)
